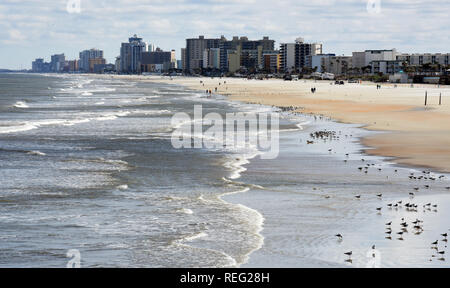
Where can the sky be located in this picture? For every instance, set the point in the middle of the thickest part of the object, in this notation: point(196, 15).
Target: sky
point(32, 29)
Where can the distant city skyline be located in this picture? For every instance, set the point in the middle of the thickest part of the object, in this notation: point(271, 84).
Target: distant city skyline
point(35, 29)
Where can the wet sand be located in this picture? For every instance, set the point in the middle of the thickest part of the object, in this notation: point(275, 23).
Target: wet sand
point(308, 196)
point(417, 135)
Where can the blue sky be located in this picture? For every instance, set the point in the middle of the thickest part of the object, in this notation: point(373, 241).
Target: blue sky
point(38, 28)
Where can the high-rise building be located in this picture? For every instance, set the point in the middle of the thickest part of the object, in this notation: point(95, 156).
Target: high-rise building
point(359, 59)
point(211, 58)
point(158, 57)
point(194, 52)
point(337, 65)
point(183, 59)
point(58, 62)
point(272, 62)
point(417, 59)
point(379, 55)
point(318, 64)
point(131, 53)
point(287, 57)
point(86, 55)
point(117, 66)
point(73, 66)
point(297, 56)
point(251, 51)
point(95, 61)
point(37, 66)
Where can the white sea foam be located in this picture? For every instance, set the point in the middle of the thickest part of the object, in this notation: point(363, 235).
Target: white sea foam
point(21, 104)
point(122, 187)
point(36, 153)
point(255, 221)
point(21, 127)
point(185, 211)
point(195, 236)
point(237, 162)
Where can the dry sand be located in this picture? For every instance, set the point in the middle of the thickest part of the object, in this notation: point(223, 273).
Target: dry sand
point(418, 135)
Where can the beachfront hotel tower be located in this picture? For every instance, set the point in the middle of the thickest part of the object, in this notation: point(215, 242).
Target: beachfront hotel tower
point(296, 56)
point(130, 55)
point(86, 56)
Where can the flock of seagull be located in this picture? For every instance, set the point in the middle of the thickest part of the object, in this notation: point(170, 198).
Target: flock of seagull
point(417, 226)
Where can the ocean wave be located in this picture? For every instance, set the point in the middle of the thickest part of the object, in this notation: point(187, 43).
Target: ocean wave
point(236, 164)
point(26, 126)
point(21, 104)
point(255, 221)
point(236, 183)
point(17, 128)
point(29, 152)
point(122, 187)
point(194, 237)
point(185, 211)
point(36, 153)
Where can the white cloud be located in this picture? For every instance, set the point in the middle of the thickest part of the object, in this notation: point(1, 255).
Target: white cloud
point(44, 27)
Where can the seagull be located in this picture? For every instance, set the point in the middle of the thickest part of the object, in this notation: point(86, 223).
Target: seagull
point(339, 236)
point(358, 197)
point(400, 233)
point(389, 224)
point(379, 209)
point(349, 254)
point(380, 195)
point(441, 252)
point(444, 235)
point(435, 243)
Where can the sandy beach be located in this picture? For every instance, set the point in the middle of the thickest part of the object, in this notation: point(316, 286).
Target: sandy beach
point(416, 135)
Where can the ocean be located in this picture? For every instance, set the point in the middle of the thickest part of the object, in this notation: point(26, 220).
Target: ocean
point(87, 163)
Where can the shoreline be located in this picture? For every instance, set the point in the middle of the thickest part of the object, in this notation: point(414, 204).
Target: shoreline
point(413, 135)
